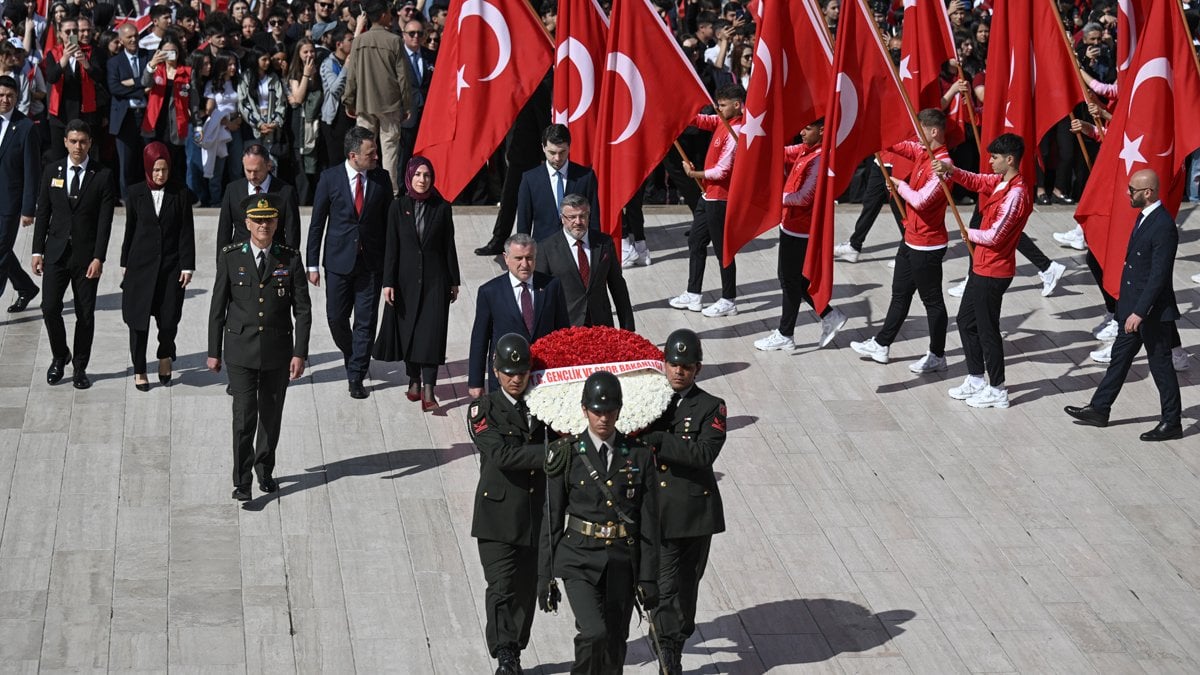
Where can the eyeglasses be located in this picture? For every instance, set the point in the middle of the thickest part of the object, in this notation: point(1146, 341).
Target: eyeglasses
point(414, 33)
point(748, 57)
point(275, 22)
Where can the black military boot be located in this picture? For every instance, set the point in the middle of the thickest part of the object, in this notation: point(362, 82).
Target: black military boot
point(509, 661)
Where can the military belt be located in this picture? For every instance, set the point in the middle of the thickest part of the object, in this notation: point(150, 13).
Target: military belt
point(596, 530)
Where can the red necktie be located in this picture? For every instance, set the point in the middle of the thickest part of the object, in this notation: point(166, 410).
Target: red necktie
point(527, 308)
point(258, 189)
point(358, 194)
point(585, 270)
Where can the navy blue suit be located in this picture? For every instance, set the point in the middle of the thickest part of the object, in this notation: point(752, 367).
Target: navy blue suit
point(498, 314)
point(20, 166)
point(125, 122)
point(537, 207)
point(1146, 291)
point(354, 246)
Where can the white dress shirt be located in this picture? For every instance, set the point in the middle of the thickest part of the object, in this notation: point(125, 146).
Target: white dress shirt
point(5, 123)
point(352, 175)
point(516, 286)
point(157, 196)
point(597, 441)
point(554, 174)
point(266, 185)
point(587, 249)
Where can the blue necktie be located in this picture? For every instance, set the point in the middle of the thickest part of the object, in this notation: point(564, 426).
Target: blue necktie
point(560, 190)
point(416, 66)
point(1138, 223)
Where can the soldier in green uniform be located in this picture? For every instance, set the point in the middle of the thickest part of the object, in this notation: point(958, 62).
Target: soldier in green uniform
point(509, 502)
point(260, 285)
point(687, 439)
point(601, 534)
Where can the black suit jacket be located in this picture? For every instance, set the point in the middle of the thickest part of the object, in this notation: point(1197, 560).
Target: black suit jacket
point(687, 439)
point(420, 82)
point(119, 69)
point(1146, 288)
point(510, 496)
point(70, 103)
point(497, 314)
point(231, 225)
point(537, 212)
point(84, 223)
point(349, 233)
point(154, 244)
point(588, 305)
point(20, 163)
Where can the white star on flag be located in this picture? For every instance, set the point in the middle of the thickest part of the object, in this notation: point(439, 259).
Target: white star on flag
point(909, 4)
point(462, 82)
point(560, 116)
point(1131, 152)
point(753, 127)
point(905, 73)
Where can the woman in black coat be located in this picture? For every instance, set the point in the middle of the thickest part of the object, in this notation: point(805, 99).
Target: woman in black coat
point(420, 280)
point(157, 259)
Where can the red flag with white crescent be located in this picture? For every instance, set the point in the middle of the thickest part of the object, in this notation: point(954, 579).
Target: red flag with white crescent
point(866, 113)
point(928, 43)
point(494, 54)
point(649, 95)
point(582, 34)
point(1153, 127)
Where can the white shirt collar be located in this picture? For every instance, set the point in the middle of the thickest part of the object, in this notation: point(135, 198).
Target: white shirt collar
point(7, 117)
point(83, 167)
point(266, 185)
point(351, 172)
point(511, 400)
point(254, 250)
point(555, 172)
point(516, 283)
point(597, 442)
point(1150, 207)
point(571, 240)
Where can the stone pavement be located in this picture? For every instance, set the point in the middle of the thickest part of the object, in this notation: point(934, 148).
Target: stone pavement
point(874, 524)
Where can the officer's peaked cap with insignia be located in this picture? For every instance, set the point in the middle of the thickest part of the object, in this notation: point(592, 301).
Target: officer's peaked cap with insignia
point(512, 354)
point(261, 206)
point(602, 392)
point(683, 348)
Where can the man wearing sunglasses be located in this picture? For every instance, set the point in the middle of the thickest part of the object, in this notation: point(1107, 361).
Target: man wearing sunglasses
point(420, 70)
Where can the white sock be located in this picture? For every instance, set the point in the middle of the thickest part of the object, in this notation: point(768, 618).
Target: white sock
point(976, 380)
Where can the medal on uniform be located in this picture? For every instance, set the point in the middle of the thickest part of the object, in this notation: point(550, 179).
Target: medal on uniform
point(281, 291)
point(630, 492)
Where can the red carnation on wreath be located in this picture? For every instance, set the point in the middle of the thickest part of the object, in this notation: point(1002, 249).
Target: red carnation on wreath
point(582, 345)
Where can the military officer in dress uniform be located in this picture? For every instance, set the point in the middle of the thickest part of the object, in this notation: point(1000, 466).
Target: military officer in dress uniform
point(601, 534)
point(260, 285)
point(509, 502)
point(687, 439)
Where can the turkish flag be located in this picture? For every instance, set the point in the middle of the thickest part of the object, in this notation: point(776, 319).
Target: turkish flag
point(494, 54)
point(582, 35)
point(756, 186)
point(866, 113)
point(649, 96)
point(1153, 127)
point(1131, 16)
point(927, 44)
point(1032, 83)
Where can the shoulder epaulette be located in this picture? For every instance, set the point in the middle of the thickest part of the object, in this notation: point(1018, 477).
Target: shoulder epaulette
point(276, 248)
point(233, 246)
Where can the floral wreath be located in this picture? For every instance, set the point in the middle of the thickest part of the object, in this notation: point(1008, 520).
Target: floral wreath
point(563, 360)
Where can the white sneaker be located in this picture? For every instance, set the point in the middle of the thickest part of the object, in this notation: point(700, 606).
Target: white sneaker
point(831, 323)
point(871, 348)
point(1103, 355)
point(928, 364)
point(958, 289)
point(643, 253)
point(1072, 239)
point(722, 307)
point(1110, 331)
point(991, 397)
point(1179, 359)
point(686, 300)
point(844, 251)
point(776, 341)
point(1050, 277)
point(629, 256)
point(1196, 278)
point(892, 264)
point(970, 387)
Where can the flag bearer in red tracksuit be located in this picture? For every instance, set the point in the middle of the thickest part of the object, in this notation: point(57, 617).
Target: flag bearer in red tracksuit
point(919, 257)
point(1006, 203)
point(709, 223)
point(798, 192)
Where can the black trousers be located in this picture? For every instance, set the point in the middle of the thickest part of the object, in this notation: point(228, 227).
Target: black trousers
point(166, 306)
point(695, 145)
point(129, 151)
point(633, 221)
point(56, 277)
point(792, 251)
point(356, 293)
point(1110, 303)
point(709, 227)
point(681, 566)
point(511, 599)
point(917, 272)
point(10, 264)
point(875, 195)
point(408, 141)
point(979, 326)
point(602, 613)
point(420, 373)
point(1156, 338)
point(334, 136)
point(257, 415)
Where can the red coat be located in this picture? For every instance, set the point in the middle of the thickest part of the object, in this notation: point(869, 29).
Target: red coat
point(1006, 208)
point(718, 163)
point(181, 94)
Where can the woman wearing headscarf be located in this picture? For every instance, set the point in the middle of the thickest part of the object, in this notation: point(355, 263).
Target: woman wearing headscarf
point(168, 80)
point(157, 260)
point(420, 280)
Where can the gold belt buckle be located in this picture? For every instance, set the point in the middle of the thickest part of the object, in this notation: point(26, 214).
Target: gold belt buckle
point(606, 531)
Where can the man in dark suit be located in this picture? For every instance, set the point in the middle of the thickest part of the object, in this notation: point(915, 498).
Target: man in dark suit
point(420, 72)
point(20, 162)
point(587, 265)
point(127, 105)
point(71, 74)
point(259, 287)
point(231, 226)
point(354, 197)
point(521, 301)
point(508, 502)
point(687, 440)
point(70, 242)
point(543, 187)
point(1145, 309)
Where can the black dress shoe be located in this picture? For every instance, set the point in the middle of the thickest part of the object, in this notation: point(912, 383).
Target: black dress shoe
point(508, 661)
point(54, 374)
point(357, 390)
point(1088, 415)
point(22, 302)
point(267, 484)
point(242, 494)
point(1043, 199)
point(1059, 199)
point(1164, 432)
point(80, 380)
point(493, 247)
point(141, 386)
